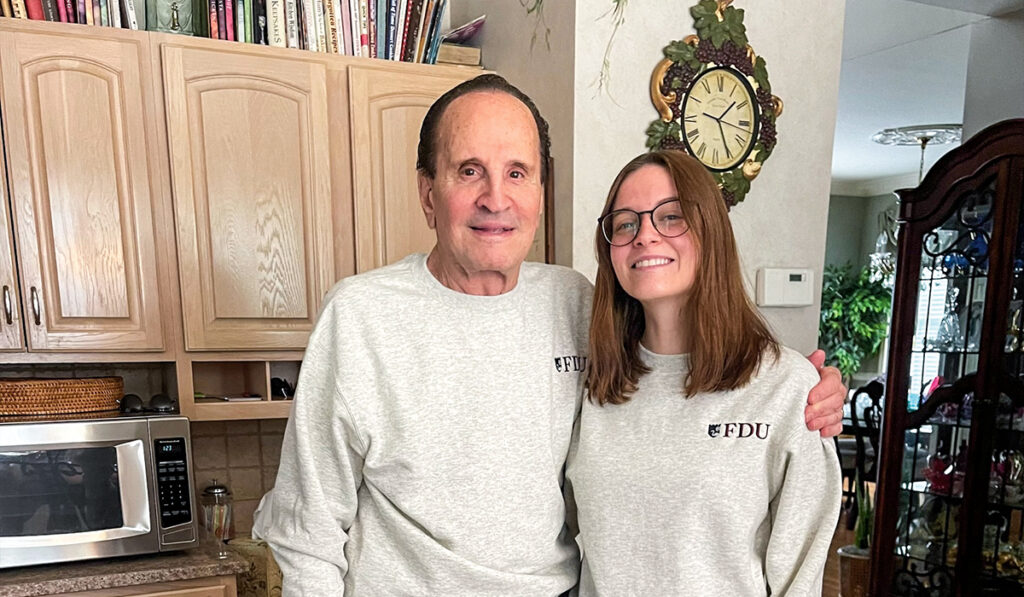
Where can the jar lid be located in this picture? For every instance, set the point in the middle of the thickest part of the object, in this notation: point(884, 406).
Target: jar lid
point(216, 489)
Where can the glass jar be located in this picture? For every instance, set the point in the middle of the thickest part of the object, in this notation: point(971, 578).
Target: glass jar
point(216, 500)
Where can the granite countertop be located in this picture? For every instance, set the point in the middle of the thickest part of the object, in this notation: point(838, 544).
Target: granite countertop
point(51, 579)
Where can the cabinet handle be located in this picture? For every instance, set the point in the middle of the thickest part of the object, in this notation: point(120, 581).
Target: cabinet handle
point(35, 305)
point(8, 307)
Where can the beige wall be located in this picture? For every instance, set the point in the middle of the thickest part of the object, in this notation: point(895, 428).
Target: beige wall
point(782, 222)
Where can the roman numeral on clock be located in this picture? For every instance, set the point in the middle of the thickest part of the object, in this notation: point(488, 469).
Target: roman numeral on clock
point(741, 104)
point(703, 148)
point(744, 123)
point(707, 87)
point(740, 140)
point(692, 133)
point(721, 83)
point(692, 118)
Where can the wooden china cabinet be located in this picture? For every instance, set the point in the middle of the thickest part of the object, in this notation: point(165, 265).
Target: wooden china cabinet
point(951, 479)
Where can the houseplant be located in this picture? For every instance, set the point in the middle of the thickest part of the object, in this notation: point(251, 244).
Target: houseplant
point(854, 316)
point(854, 560)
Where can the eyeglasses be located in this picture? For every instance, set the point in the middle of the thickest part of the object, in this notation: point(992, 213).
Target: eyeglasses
point(621, 226)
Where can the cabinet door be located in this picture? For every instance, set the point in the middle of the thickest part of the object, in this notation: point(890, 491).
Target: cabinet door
point(76, 110)
point(388, 106)
point(250, 160)
point(11, 337)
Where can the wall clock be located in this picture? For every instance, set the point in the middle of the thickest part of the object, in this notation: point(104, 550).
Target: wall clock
point(714, 99)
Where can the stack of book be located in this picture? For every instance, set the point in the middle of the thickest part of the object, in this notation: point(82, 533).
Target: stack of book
point(406, 30)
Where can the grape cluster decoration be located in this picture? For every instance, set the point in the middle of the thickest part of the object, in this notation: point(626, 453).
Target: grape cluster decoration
point(721, 40)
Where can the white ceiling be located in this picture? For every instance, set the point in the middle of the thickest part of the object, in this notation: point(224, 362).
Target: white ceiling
point(904, 63)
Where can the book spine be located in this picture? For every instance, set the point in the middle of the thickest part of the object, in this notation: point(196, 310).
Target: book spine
point(246, 34)
point(319, 23)
point(71, 10)
point(331, 26)
point(239, 20)
point(364, 28)
point(90, 12)
point(435, 38)
point(229, 19)
point(62, 14)
point(50, 10)
point(222, 30)
point(403, 7)
point(18, 9)
point(413, 39)
point(381, 28)
point(104, 14)
point(259, 22)
point(392, 27)
point(428, 15)
point(354, 25)
point(5, 8)
point(309, 23)
point(291, 13)
point(35, 10)
point(345, 25)
point(115, 13)
point(277, 28)
point(406, 42)
point(372, 22)
point(129, 14)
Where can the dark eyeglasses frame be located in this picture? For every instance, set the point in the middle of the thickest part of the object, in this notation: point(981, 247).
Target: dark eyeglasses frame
point(639, 219)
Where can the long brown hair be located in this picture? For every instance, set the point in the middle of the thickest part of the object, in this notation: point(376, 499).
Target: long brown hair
point(729, 336)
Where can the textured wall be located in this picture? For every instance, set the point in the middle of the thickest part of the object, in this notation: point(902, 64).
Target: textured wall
point(783, 221)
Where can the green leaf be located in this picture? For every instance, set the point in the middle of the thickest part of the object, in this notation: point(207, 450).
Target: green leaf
point(761, 74)
point(678, 51)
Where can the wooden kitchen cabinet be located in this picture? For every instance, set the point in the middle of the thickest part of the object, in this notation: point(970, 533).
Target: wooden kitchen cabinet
point(216, 586)
point(76, 110)
point(11, 334)
point(250, 158)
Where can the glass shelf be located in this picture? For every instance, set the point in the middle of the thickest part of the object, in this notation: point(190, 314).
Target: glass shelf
point(921, 487)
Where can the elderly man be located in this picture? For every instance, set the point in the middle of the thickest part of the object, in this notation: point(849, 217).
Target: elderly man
point(425, 452)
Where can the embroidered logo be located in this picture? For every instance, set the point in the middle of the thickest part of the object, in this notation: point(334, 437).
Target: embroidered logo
point(570, 363)
point(739, 430)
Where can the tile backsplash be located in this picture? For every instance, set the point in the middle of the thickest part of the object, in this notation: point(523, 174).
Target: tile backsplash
point(244, 455)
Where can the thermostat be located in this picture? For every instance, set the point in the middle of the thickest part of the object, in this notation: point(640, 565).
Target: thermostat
point(782, 287)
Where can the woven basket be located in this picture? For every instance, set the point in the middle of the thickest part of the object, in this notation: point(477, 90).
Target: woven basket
point(59, 396)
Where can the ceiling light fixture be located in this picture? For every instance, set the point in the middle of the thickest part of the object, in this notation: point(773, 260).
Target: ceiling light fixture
point(921, 135)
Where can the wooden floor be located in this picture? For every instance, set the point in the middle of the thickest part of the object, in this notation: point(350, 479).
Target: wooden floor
point(830, 588)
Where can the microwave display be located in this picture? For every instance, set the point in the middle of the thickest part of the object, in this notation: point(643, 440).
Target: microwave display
point(58, 491)
point(172, 482)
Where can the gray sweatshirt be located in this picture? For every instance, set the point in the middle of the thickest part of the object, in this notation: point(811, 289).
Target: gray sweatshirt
point(425, 451)
point(724, 493)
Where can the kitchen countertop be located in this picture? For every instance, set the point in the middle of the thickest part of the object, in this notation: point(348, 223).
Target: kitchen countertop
point(50, 579)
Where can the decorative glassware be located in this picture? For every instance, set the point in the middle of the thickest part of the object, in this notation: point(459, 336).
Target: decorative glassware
point(950, 335)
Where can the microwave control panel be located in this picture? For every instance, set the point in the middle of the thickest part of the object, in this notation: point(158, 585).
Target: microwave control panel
point(172, 481)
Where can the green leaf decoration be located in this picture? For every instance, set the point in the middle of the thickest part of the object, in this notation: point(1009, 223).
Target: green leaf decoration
point(678, 51)
point(761, 74)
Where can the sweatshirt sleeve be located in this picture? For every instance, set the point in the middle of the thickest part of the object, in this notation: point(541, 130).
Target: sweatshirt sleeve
point(804, 512)
point(306, 517)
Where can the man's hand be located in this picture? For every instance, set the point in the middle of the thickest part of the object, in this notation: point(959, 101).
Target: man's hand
point(825, 402)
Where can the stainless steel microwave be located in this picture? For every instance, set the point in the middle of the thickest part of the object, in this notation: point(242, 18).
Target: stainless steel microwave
point(74, 490)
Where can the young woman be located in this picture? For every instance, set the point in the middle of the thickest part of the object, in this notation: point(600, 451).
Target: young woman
point(692, 468)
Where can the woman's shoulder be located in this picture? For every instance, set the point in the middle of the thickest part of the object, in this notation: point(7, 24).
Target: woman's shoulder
point(782, 385)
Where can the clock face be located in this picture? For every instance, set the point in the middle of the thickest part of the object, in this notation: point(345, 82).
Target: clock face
point(720, 118)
